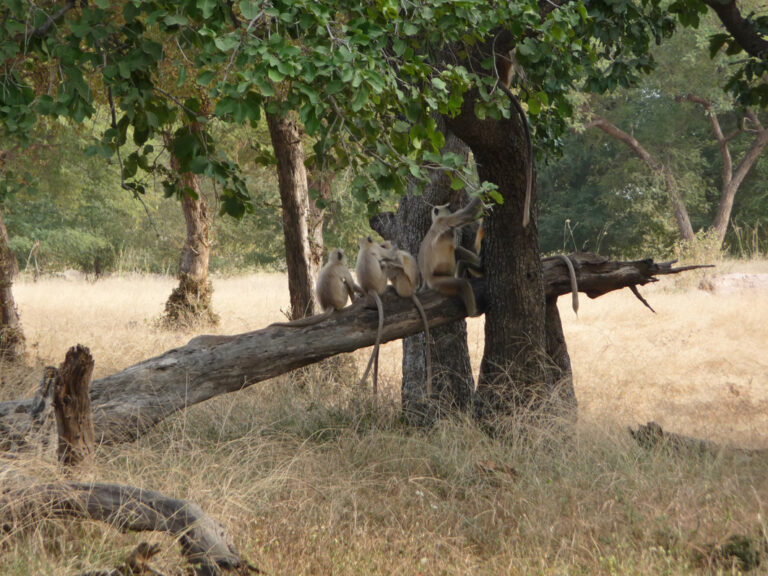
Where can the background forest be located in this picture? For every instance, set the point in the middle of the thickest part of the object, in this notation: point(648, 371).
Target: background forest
point(598, 196)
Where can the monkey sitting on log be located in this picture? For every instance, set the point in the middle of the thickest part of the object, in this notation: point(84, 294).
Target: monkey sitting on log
point(403, 272)
point(373, 282)
point(334, 286)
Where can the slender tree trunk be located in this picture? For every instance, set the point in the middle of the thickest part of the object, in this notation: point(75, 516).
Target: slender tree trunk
point(670, 183)
point(11, 335)
point(294, 195)
point(190, 302)
point(515, 371)
point(453, 381)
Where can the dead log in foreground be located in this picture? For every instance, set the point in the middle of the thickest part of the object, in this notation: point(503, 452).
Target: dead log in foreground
point(129, 402)
point(204, 542)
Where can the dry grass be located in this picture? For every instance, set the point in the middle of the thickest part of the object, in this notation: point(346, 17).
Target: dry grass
point(310, 480)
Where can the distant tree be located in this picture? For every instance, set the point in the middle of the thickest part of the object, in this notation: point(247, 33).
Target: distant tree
point(664, 148)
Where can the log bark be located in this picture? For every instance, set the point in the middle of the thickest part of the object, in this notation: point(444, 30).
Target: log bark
point(72, 407)
point(204, 542)
point(130, 402)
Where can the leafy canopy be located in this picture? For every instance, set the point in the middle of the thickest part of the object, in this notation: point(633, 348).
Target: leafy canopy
point(366, 79)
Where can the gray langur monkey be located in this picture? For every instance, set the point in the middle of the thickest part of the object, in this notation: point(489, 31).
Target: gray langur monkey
point(373, 282)
point(403, 272)
point(439, 252)
point(334, 286)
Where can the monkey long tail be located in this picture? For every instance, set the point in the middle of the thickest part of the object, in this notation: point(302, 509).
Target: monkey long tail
point(374, 359)
point(423, 314)
point(574, 283)
point(304, 322)
point(529, 164)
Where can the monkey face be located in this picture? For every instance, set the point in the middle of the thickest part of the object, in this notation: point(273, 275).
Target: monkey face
point(336, 256)
point(439, 211)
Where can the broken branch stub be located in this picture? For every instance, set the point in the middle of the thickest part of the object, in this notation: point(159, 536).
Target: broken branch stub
point(72, 406)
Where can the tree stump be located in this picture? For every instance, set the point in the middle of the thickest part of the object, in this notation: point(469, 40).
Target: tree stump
point(72, 406)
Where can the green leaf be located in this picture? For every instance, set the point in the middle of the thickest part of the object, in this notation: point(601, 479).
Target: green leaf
point(360, 99)
point(439, 84)
point(250, 9)
point(205, 78)
point(176, 20)
point(226, 43)
point(275, 75)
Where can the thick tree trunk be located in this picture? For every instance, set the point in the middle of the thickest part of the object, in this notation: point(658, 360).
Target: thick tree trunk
point(453, 381)
point(11, 335)
point(130, 402)
point(515, 371)
point(190, 302)
point(294, 195)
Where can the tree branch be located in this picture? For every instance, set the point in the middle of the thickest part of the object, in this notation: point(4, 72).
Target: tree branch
point(204, 541)
point(742, 29)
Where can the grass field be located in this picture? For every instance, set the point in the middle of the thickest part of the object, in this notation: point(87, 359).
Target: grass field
point(309, 480)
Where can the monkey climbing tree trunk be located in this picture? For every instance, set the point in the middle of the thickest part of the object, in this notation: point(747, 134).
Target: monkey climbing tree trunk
point(453, 382)
point(11, 335)
point(190, 302)
point(516, 370)
point(294, 196)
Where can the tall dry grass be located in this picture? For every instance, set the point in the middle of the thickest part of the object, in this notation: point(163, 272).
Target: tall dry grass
point(310, 479)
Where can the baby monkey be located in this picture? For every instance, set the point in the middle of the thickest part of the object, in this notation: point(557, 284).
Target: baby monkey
point(403, 272)
point(334, 286)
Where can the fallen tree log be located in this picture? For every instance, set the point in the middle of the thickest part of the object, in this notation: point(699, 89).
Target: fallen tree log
point(204, 542)
point(128, 403)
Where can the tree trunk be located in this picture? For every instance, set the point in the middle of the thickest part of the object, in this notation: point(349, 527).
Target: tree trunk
point(11, 335)
point(72, 406)
point(294, 196)
point(452, 372)
point(515, 371)
point(732, 179)
point(190, 303)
